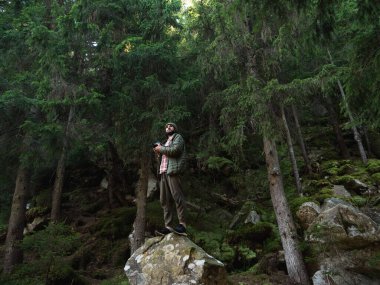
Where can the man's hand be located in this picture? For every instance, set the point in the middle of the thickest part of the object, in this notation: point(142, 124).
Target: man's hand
point(157, 149)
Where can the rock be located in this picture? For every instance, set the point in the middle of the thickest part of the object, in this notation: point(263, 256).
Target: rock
point(340, 190)
point(37, 224)
point(152, 186)
point(173, 260)
point(307, 213)
point(104, 183)
point(338, 276)
point(253, 218)
point(344, 227)
point(356, 185)
point(332, 202)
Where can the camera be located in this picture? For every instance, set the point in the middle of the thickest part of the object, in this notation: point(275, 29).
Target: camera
point(156, 144)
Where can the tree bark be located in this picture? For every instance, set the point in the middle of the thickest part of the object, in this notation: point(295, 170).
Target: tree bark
point(115, 176)
point(60, 172)
point(138, 235)
point(357, 136)
point(293, 256)
point(338, 132)
point(291, 153)
point(13, 253)
point(301, 140)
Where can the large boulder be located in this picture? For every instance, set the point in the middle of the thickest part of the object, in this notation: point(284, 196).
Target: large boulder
point(345, 227)
point(173, 260)
point(330, 276)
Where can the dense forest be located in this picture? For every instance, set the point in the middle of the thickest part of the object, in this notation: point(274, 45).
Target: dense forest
point(279, 106)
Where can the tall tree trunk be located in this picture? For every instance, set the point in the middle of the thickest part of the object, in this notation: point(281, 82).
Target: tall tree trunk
point(13, 252)
point(291, 153)
point(367, 141)
point(60, 172)
point(357, 136)
point(115, 177)
point(138, 235)
point(338, 132)
point(301, 140)
point(293, 256)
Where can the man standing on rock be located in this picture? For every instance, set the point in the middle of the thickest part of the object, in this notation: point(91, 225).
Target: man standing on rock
point(173, 159)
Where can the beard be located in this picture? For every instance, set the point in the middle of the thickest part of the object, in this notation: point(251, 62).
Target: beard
point(170, 133)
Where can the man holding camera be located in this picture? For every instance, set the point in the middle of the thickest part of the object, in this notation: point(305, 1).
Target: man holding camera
point(173, 159)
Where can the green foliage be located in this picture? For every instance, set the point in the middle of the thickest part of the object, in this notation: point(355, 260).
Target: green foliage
point(376, 178)
point(373, 166)
point(117, 280)
point(249, 234)
point(49, 248)
point(358, 201)
point(116, 224)
point(218, 163)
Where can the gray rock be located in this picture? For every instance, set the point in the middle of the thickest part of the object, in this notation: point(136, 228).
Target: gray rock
point(357, 186)
point(341, 191)
point(344, 227)
point(253, 218)
point(36, 225)
point(339, 276)
point(173, 260)
point(152, 186)
point(332, 202)
point(307, 213)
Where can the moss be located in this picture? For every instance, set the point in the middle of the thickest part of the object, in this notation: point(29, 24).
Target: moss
point(297, 202)
point(116, 224)
point(373, 166)
point(358, 201)
point(250, 234)
point(43, 198)
point(343, 180)
point(330, 168)
point(117, 280)
point(34, 212)
point(376, 178)
point(312, 187)
point(324, 194)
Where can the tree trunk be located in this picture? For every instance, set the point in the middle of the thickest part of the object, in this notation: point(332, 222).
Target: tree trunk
point(293, 256)
point(367, 141)
point(291, 153)
point(60, 172)
point(13, 253)
point(138, 235)
point(301, 140)
point(357, 136)
point(338, 132)
point(115, 177)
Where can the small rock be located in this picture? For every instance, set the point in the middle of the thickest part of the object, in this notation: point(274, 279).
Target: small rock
point(253, 218)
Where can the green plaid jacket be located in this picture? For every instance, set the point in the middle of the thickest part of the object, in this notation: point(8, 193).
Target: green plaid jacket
point(176, 153)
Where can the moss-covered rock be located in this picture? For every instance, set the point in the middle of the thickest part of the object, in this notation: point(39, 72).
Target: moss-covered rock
point(373, 166)
point(250, 234)
point(376, 178)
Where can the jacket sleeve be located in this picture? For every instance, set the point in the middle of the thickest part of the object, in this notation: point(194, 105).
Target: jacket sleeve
point(175, 149)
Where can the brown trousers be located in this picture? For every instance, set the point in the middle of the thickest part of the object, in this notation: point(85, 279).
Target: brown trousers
point(171, 191)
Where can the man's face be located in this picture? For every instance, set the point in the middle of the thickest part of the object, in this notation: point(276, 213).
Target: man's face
point(169, 129)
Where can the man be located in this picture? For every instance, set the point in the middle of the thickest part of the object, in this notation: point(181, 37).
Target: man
point(173, 156)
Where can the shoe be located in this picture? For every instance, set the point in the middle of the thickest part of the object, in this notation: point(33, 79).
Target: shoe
point(180, 229)
point(163, 231)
